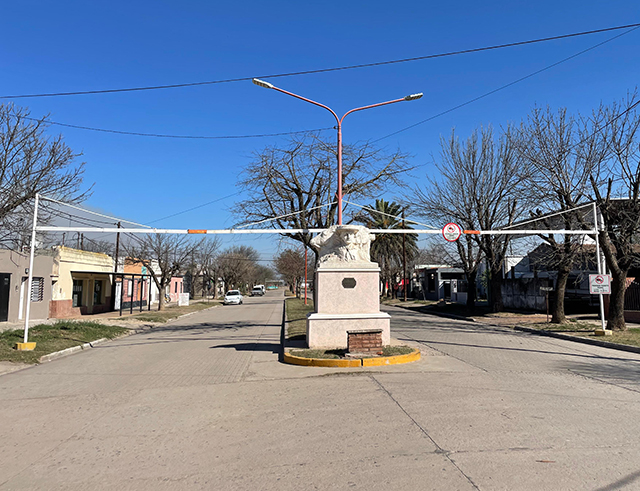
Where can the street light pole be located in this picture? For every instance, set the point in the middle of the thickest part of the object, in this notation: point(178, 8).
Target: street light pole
point(267, 85)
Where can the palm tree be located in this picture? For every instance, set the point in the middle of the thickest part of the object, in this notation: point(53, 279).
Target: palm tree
point(386, 250)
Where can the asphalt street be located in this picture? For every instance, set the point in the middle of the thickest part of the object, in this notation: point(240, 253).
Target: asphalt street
point(203, 403)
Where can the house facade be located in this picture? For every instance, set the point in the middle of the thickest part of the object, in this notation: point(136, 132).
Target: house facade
point(441, 282)
point(14, 274)
point(81, 283)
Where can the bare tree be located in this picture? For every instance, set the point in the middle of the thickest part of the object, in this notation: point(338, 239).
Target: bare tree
point(615, 183)
point(261, 274)
point(290, 266)
point(236, 266)
point(202, 265)
point(480, 186)
point(31, 163)
point(558, 180)
point(164, 256)
point(294, 182)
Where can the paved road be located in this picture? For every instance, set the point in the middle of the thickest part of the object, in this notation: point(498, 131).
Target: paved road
point(204, 404)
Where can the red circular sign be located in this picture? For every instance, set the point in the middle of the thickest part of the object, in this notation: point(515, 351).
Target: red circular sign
point(451, 232)
point(599, 280)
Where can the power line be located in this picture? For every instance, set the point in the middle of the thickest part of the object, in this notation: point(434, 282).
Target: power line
point(184, 137)
point(325, 70)
point(195, 207)
point(491, 92)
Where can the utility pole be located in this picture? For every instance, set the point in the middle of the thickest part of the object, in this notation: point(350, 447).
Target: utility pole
point(82, 242)
point(77, 240)
point(115, 277)
point(404, 261)
point(63, 236)
point(117, 247)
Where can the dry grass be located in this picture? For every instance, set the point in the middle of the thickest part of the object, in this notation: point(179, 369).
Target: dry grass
point(50, 338)
point(297, 317)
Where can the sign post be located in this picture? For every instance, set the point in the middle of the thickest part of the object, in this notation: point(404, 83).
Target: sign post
point(451, 232)
point(600, 284)
point(546, 290)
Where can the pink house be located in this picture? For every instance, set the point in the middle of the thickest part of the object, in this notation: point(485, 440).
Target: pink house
point(175, 288)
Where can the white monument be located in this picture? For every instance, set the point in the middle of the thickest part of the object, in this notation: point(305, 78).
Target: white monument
point(347, 289)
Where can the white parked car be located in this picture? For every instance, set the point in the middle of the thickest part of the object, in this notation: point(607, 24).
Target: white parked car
point(233, 297)
point(257, 291)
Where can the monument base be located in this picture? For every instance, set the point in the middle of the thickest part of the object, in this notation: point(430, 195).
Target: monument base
point(329, 331)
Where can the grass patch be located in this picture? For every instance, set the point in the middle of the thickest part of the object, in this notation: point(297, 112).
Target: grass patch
point(629, 337)
point(337, 354)
point(297, 317)
point(409, 302)
point(571, 326)
point(172, 312)
point(319, 353)
point(52, 338)
point(397, 350)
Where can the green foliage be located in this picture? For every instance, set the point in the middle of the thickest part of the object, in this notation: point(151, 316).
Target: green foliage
point(386, 250)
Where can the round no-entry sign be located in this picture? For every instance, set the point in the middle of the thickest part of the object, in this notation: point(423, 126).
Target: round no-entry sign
point(451, 232)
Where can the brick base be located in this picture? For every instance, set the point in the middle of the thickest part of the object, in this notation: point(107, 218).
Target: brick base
point(364, 341)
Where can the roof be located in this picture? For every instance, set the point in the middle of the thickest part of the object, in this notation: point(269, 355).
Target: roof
point(128, 275)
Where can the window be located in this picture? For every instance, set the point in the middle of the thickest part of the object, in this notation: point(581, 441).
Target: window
point(37, 289)
point(77, 293)
point(97, 292)
point(176, 288)
point(130, 288)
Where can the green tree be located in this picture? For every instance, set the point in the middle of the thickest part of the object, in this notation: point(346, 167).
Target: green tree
point(387, 249)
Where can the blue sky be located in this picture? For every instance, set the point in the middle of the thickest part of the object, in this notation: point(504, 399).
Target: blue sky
point(71, 45)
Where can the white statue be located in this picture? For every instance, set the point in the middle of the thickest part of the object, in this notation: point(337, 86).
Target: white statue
point(344, 244)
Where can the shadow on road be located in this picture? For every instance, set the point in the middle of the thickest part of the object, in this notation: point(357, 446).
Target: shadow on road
point(621, 483)
point(273, 347)
point(630, 362)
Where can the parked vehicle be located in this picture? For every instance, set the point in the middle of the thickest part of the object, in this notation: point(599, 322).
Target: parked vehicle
point(233, 297)
point(257, 291)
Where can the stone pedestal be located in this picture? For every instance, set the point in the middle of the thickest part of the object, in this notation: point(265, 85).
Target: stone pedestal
point(347, 290)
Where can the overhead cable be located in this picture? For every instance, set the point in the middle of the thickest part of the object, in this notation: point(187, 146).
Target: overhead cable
point(325, 70)
point(521, 79)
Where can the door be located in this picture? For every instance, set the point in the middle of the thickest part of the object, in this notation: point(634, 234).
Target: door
point(447, 290)
point(5, 283)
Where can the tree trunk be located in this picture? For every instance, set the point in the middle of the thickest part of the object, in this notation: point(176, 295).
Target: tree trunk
point(557, 315)
point(495, 287)
point(615, 319)
point(471, 291)
point(161, 294)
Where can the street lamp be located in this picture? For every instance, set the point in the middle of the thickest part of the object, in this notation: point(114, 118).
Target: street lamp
point(267, 85)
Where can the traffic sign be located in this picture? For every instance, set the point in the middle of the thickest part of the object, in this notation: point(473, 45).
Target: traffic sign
point(599, 283)
point(451, 232)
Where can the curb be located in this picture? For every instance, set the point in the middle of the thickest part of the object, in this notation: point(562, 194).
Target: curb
point(356, 362)
point(551, 334)
point(577, 339)
point(74, 349)
point(70, 351)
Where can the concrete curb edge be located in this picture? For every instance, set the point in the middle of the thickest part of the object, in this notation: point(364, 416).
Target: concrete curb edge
point(74, 349)
point(69, 351)
point(577, 339)
point(352, 363)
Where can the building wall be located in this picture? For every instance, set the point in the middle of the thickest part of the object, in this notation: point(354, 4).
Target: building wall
point(17, 264)
point(73, 264)
point(175, 288)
